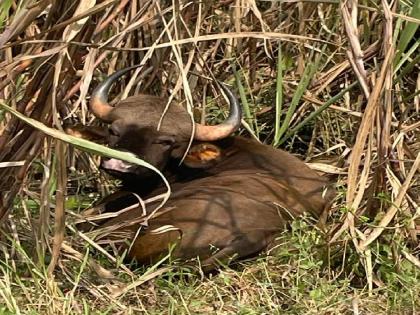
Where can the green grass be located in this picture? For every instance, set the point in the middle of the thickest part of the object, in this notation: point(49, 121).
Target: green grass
point(299, 94)
point(302, 275)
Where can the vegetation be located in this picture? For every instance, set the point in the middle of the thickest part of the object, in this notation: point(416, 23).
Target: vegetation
point(335, 82)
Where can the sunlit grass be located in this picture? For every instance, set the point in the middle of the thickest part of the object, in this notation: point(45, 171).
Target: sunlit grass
point(303, 85)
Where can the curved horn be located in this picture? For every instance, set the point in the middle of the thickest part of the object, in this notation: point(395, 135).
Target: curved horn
point(226, 128)
point(99, 100)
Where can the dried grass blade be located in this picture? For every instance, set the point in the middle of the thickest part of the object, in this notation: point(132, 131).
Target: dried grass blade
point(364, 129)
point(143, 279)
point(100, 271)
point(393, 208)
point(279, 97)
point(59, 224)
point(99, 248)
point(23, 18)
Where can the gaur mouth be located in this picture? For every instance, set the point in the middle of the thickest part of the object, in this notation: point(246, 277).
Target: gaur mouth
point(115, 165)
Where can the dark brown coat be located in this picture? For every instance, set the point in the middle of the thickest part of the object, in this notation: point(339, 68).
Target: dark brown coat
point(230, 196)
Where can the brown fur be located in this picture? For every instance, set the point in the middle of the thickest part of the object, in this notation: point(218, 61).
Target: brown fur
point(235, 207)
point(229, 197)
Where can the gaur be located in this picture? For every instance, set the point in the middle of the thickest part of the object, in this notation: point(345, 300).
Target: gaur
point(231, 196)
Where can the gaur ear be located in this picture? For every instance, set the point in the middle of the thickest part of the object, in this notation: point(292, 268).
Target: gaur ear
point(92, 133)
point(203, 155)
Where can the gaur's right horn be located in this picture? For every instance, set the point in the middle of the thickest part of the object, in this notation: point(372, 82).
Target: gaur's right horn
point(99, 101)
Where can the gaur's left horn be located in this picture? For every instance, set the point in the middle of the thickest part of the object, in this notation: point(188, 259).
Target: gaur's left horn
point(227, 127)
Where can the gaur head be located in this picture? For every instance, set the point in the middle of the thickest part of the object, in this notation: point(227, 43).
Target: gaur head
point(134, 127)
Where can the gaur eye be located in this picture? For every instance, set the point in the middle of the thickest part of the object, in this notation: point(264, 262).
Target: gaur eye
point(113, 132)
point(164, 140)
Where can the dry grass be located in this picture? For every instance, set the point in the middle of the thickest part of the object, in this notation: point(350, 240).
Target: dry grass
point(336, 82)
